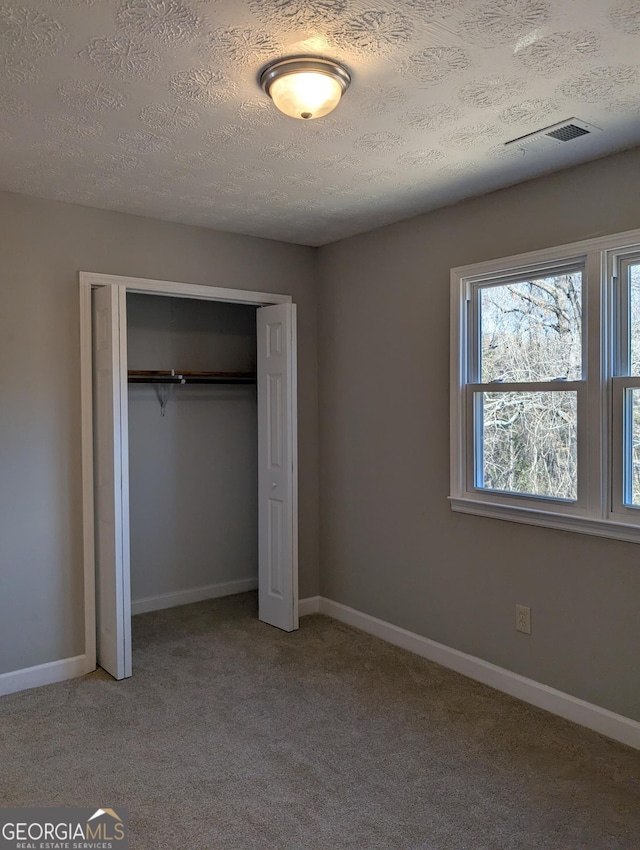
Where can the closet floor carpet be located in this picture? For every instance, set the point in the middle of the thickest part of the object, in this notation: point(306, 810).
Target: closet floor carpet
point(232, 735)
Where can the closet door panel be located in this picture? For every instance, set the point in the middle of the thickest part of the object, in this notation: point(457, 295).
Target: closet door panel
point(277, 467)
point(113, 603)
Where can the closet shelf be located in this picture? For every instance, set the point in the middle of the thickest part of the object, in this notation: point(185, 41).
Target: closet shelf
point(147, 376)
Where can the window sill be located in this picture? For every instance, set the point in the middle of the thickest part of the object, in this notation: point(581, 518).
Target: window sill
point(612, 528)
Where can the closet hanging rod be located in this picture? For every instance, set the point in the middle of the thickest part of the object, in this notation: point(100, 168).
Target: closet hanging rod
point(148, 376)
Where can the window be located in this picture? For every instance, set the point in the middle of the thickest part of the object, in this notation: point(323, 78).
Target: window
point(626, 388)
point(545, 392)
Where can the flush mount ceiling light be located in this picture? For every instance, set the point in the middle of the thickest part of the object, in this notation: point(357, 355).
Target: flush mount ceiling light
point(305, 86)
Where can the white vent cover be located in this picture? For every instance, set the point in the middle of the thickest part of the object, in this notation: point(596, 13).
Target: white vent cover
point(563, 131)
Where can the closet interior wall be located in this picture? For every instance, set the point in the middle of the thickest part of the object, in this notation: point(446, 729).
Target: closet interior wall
point(193, 467)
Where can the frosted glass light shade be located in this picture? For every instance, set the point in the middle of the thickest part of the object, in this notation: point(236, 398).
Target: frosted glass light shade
point(305, 87)
point(306, 94)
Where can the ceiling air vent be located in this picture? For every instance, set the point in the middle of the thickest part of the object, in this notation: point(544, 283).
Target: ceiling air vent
point(568, 132)
point(564, 131)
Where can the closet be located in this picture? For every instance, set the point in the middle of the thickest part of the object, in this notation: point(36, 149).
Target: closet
point(193, 449)
point(197, 483)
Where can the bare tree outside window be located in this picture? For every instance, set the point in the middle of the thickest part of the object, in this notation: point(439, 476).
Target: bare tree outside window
point(531, 332)
point(634, 371)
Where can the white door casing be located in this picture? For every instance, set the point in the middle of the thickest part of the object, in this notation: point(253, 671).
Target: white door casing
point(277, 467)
point(113, 591)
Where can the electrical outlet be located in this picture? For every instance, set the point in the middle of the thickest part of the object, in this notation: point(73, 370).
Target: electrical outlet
point(523, 619)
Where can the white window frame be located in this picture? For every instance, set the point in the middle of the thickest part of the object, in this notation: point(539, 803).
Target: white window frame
point(621, 382)
point(600, 507)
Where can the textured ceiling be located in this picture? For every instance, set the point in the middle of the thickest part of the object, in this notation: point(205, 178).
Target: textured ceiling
point(153, 106)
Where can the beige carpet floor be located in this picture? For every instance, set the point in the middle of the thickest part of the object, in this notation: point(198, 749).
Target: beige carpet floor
point(232, 735)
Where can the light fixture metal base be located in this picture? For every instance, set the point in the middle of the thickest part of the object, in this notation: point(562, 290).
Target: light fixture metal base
point(298, 64)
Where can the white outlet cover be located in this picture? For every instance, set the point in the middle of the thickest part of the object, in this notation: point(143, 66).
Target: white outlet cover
point(523, 619)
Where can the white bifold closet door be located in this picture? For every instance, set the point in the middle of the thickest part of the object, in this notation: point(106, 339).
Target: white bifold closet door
point(277, 467)
point(111, 477)
point(277, 473)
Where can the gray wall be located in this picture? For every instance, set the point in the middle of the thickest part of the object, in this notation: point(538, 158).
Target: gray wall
point(44, 244)
point(391, 546)
point(194, 470)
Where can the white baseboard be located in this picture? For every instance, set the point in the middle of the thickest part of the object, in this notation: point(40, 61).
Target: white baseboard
point(44, 674)
point(601, 720)
point(195, 594)
point(310, 605)
point(615, 726)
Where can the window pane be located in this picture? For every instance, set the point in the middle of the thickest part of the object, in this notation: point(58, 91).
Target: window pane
point(634, 299)
point(529, 443)
point(532, 331)
point(633, 462)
